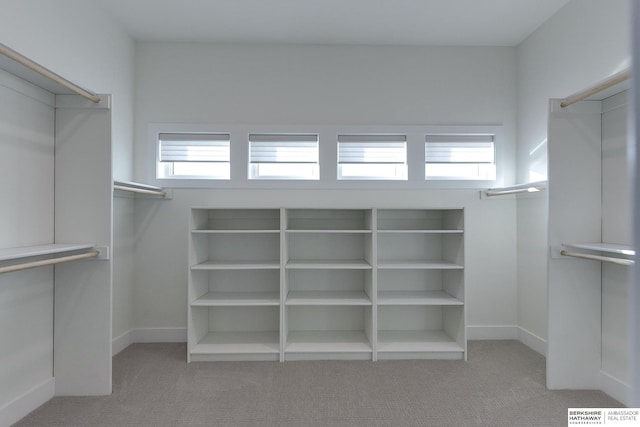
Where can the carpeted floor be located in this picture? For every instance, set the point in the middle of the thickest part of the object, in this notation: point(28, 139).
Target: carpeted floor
point(502, 384)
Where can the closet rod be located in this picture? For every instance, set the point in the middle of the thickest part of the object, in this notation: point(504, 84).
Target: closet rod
point(620, 261)
point(33, 66)
point(605, 84)
point(50, 261)
point(140, 190)
point(530, 187)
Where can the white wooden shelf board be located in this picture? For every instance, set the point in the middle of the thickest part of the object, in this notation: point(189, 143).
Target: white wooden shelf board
point(238, 343)
point(327, 342)
point(420, 231)
point(425, 265)
point(417, 298)
point(609, 248)
point(327, 298)
point(269, 231)
point(321, 231)
point(41, 250)
point(416, 341)
point(213, 299)
point(236, 265)
point(329, 264)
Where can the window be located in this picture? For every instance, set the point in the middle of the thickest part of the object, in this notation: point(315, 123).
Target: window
point(193, 156)
point(464, 156)
point(372, 157)
point(283, 156)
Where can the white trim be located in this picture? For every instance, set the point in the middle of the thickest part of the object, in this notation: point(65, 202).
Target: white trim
point(160, 335)
point(475, 332)
point(615, 388)
point(147, 335)
point(492, 332)
point(123, 341)
point(22, 405)
point(532, 341)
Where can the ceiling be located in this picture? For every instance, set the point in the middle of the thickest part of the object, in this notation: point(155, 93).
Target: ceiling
point(370, 22)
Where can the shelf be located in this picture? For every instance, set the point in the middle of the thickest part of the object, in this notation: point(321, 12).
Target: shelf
point(426, 265)
point(329, 264)
point(416, 298)
point(420, 231)
point(268, 231)
point(329, 220)
point(213, 299)
point(234, 220)
point(327, 298)
point(329, 231)
point(416, 341)
point(427, 220)
point(238, 343)
point(236, 265)
point(41, 250)
point(608, 248)
point(327, 342)
point(26, 69)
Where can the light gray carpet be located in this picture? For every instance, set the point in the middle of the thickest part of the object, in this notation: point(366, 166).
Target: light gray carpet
point(502, 384)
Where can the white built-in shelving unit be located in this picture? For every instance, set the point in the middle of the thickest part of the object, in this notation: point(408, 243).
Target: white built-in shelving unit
point(234, 286)
point(298, 284)
point(420, 284)
point(327, 284)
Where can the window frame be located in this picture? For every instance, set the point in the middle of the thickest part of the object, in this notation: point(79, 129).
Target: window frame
point(328, 156)
point(266, 138)
point(372, 139)
point(464, 138)
point(197, 136)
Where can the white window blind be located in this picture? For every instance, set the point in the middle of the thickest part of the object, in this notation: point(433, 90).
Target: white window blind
point(283, 156)
point(194, 155)
point(372, 156)
point(464, 156)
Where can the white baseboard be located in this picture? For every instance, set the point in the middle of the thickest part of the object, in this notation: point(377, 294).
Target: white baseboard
point(532, 341)
point(22, 405)
point(506, 332)
point(492, 332)
point(615, 388)
point(148, 335)
point(160, 335)
point(484, 332)
point(123, 341)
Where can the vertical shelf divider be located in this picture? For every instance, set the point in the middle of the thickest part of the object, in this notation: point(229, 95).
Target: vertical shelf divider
point(284, 254)
point(374, 283)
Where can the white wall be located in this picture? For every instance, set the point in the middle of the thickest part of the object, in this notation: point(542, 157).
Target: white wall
point(123, 271)
point(205, 83)
point(581, 44)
